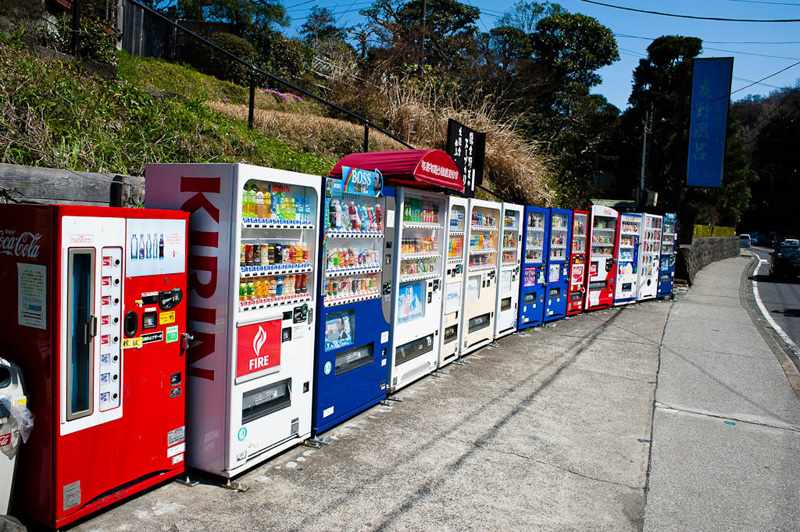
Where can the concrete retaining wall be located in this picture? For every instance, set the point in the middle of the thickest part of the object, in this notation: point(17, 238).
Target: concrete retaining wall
point(702, 252)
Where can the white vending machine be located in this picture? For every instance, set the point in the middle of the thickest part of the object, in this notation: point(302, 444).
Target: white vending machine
point(453, 280)
point(252, 287)
point(507, 304)
point(649, 255)
point(417, 294)
point(627, 259)
point(480, 279)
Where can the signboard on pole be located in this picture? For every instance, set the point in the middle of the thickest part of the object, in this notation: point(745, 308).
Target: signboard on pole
point(468, 149)
point(711, 89)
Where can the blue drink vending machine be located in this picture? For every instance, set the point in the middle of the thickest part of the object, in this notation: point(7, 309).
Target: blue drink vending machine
point(558, 264)
point(353, 326)
point(534, 266)
point(627, 259)
point(669, 244)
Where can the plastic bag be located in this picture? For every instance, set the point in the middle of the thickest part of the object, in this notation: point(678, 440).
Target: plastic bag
point(18, 425)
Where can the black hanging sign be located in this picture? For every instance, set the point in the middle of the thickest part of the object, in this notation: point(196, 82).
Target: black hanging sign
point(467, 148)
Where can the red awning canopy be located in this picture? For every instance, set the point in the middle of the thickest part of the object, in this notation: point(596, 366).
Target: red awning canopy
point(415, 168)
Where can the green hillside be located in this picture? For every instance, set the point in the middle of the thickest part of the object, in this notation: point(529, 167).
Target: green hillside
point(55, 113)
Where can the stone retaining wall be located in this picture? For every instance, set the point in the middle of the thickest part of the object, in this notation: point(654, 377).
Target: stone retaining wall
point(702, 252)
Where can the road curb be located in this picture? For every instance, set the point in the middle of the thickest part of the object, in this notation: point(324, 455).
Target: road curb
point(786, 356)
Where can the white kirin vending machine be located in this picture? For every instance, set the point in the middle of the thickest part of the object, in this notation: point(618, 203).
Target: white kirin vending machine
point(252, 275)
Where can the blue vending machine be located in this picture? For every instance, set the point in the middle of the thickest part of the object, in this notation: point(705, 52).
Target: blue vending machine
point(558, 264)
point(534, 266)
point(353, 327)
point(669, 245)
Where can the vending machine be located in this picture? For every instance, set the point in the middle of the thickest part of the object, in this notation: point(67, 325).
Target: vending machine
point(353, 326)
point(627, 258)
point(577, 260)
point(649, 255)
point(453, 280)
point(252, 290)
point(94, 314)
point(534, 266)
point(601, 258)
point(558, 279)
point(418, 277)
point(669, 245)
point(480, 281)
point(507, 304)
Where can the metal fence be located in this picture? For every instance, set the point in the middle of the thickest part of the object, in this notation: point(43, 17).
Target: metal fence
point(147, 32)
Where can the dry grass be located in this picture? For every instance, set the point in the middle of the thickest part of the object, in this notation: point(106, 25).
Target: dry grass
point(308, 133)
point(515, 168)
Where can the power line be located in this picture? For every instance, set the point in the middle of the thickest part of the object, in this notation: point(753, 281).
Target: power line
point(626, 36)
point(693, 17)
point(765, 77)
point(751, 53)
point(737, 78)
point(764, 2)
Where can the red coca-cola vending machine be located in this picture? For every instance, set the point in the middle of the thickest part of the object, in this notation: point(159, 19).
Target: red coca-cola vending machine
point(94, 314)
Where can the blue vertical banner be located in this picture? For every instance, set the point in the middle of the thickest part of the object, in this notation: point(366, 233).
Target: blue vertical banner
point(711, 92)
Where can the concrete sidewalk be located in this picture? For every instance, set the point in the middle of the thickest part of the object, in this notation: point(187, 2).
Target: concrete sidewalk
point(549, 431)
point(726, 435)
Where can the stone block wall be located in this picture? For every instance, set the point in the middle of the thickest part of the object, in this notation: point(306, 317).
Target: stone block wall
point(702, 252)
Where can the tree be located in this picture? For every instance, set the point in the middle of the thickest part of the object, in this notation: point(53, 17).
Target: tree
point(440, 33)
point(321, 26)
point(662, 82)
point(525, 15)
point(245, 15)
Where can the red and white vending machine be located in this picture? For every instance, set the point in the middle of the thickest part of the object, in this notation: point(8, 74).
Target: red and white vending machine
point(601, 258)
point(94, 314)
point(252, 290)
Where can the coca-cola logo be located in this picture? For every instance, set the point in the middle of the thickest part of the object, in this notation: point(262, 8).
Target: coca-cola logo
point(23, 245)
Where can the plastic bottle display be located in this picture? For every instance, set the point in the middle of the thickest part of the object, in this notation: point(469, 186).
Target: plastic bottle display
point(348, 257)
point(274, 202)
point(273, 253)
point(269, 289)
point(509, 240)
point(455, 247)
point(418, 266)
point(354, 217)
point(347, 287)
point(411, 245)
point(482, 220)
point(419, 211)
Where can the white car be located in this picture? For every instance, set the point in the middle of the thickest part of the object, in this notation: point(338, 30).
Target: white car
point(744, 241)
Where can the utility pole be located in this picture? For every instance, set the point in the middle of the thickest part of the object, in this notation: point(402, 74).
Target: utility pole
point(648, 130)
point(424, 16)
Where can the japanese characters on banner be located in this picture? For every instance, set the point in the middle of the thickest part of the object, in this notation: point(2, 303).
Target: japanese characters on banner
point(711, 88)
point(467, 148)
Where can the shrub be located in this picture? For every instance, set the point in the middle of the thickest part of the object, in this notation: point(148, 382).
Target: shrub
point(211, 62)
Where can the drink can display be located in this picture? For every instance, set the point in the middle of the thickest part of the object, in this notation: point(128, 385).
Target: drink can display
point(277, 254)
point(256, 254)
point(264, 254)
point(303, 287)
point(242, 291)
point(243, 256)
point(248, 255)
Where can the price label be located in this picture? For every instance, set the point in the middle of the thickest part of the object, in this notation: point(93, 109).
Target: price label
point(131, 343)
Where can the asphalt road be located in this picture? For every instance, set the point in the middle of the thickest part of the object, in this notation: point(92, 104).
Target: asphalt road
point(781, 298)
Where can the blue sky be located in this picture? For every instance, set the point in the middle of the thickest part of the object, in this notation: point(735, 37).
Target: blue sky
point(758, 49)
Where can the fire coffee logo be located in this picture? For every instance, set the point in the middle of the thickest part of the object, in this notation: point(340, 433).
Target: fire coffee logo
point(23, 245)
point(258, 342)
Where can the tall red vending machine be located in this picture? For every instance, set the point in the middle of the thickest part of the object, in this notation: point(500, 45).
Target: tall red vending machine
point(577, 270)
point(602, 258)
point(94, 314)
point(252, 288)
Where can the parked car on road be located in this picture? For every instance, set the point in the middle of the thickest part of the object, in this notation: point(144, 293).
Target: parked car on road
point(785, 261)
point(744, 240)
